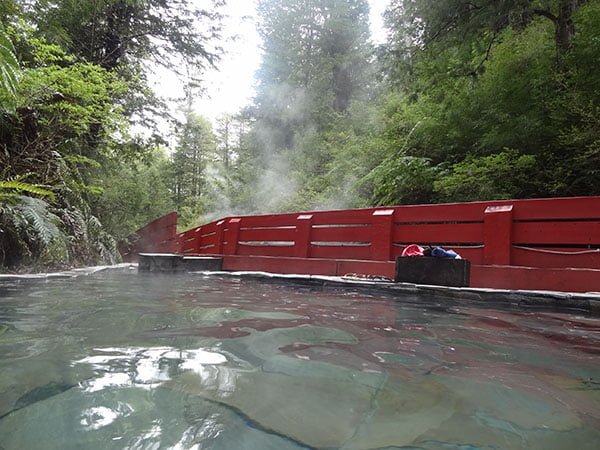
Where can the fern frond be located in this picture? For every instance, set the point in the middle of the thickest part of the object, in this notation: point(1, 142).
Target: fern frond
point(19, 186)
point(40, 222)
point(9, 71)
point(9, 197)
point(80, 159)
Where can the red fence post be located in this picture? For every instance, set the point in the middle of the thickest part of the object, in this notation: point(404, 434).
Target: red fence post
point(233, 233)
point(381, 238)
point(302, 238)
point(171, 233)
point(497, 235)
point(219, 237)
point(198, 240)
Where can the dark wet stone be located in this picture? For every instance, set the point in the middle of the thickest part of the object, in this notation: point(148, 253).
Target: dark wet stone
point(42, 393)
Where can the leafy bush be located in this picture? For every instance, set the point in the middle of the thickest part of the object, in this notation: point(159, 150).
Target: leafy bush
point(504, 175)
point(403, 180)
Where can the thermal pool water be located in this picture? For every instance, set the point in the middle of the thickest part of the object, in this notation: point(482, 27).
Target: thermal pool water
point(127, 360)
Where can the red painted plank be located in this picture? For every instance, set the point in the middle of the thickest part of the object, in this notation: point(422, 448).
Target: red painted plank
point(510, 277)
point(265, 250)
point(271, 220)
point(166, 221)
point(342, 234)
point(207, 230)
point(558, 208)
point(378, 268)
point(310, 266)
point(425, 233)
point(208, 250)
point(475, 255)
point(549, 257)
point(501, 277)
point(280, 265)
point(450, 212)
point(330, 252)
point(343, 217)
point(188, 233)
point(584, 233)
point(271, 234)
point(212, 240)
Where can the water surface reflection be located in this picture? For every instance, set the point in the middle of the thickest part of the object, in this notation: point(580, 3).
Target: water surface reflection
point(127, 361)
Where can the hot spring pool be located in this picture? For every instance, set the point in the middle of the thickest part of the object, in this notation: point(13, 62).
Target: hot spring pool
point(121, 360)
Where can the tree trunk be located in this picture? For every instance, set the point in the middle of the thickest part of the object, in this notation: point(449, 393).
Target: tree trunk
point(565, 27)
point(563, 22)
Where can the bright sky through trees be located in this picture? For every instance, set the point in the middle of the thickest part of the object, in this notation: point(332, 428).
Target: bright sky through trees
point(232, 86)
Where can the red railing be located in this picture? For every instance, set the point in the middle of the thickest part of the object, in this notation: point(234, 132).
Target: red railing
point(542, 233)
point(157, 236)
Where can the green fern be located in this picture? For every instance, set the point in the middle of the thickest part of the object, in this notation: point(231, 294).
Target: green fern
point(9, 72)
point(28, 229)
point(10, 190)
point(37, 222)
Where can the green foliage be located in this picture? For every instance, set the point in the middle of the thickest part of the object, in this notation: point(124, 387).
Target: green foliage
point(466, 101)
point(470, 84)
point(64, 125)
point(9, 72)
point(10, 190)
point(27, 227)
point(115, 32)
point(500, 176)
point(134, 194)
point(578, 106)
point(403, 180)
point(195, 150)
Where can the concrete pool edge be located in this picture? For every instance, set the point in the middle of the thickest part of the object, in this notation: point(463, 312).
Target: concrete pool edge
point(586, 302)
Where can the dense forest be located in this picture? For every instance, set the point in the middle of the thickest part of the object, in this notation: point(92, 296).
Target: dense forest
point(466, 100)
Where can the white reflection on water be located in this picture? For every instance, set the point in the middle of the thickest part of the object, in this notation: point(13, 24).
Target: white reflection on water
point(149, 440)
point(97, 417)
point(208, 431)
point(149, 367)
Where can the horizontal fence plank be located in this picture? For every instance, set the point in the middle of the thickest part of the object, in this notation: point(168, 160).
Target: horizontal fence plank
point(270, 234)
point(333, 252)
point(280, 265)
point(347, 217)
point(457, 212)
point(265, 250)
point(560, 279)
point(272, 220)
point(208, 250)
point(342, 234)
point(208, 229)
point(206, 233)
point(426, 233)
point(208, 240)
point(557, 208)
point(577, 233)
point(555, 257)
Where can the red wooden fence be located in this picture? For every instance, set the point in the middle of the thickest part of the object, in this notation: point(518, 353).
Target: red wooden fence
point(558, 234)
